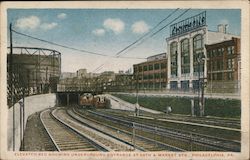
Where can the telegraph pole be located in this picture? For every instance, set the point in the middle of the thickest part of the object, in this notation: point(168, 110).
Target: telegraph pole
point(11, 84)
point(137, 105)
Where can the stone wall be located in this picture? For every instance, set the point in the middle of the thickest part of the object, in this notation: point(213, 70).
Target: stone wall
point(32, 104)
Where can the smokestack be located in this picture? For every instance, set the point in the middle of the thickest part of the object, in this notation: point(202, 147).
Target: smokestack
point(222, 28)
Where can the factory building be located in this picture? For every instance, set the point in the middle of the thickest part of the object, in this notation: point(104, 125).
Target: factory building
point(152, 74)
point(223, 66)
point(187, 55)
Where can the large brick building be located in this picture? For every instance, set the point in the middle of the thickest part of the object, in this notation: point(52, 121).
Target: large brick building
point(223, 66)
point(152, 74)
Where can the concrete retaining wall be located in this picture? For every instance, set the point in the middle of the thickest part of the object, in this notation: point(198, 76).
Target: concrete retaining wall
point(32, 104)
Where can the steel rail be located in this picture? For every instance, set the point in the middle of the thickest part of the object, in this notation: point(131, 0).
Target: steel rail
point(70, 129)
point(169, 147)
point(213, 142)
point(47, 131)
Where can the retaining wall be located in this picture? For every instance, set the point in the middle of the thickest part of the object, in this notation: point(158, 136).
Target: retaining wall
point(32, 104)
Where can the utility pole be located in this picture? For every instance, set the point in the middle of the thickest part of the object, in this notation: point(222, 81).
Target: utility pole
point(133, 136)
point(137, 105)
point(199, 83)
point(11, 84)
point(23, 116)
point(201, 86)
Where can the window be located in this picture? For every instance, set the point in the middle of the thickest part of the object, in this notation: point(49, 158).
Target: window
point(150, 67)
point(150, 76)
point(140, 68)
point(219, 65)
point(184, 85)
point(214, 52)
point(145, 68)
point(230, 50)
point(185, 58)
point(198, 52)
point(163, 65)
point(219, 76)
point(173, 55)
point(145, 77)
point(140, 77)
point(157, 75)
point(157, 66)
point(135, 69)
point(229, 64)
point(230, 76)
point(220, 52)
point(163, 75)
point(209, 54)
point(173, 85)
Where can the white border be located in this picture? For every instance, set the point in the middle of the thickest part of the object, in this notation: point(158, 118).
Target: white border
point(243, 5)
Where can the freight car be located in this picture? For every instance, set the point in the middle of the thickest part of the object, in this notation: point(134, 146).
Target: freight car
point(87, 100)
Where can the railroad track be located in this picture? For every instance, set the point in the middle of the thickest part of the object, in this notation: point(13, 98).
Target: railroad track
point(66, 138)
point(138, 142)
point(231, 123)
point(214, 143)
point(88, 130)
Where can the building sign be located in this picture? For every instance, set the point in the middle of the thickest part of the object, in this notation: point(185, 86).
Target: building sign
point(188, 24)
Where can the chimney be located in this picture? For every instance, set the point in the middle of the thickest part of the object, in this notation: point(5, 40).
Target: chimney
point(222, 28)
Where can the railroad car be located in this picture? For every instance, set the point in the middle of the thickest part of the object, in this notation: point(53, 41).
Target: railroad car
point(101, 101)
point(87, 100)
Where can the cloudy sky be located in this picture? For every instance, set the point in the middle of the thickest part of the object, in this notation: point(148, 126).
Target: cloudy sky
point(105, 31)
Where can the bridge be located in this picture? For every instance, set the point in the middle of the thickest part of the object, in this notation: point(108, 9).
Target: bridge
point(65, 98)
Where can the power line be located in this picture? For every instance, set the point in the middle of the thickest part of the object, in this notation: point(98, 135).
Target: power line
point(118, 53)
point(76, 49)
point(147, 33)
point(163, 27)
point(81, 50)
point(170, 22)
point(136, 41)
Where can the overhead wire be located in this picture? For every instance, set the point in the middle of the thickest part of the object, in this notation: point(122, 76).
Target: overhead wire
point(143, 40)
point(147, 32)
point(163, 27)
point(67, 47)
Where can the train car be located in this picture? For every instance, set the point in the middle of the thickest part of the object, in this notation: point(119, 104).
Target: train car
point(101, 101)
point(86, 100)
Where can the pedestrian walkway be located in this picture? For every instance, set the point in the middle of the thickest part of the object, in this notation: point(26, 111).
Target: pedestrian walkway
point(117, 103)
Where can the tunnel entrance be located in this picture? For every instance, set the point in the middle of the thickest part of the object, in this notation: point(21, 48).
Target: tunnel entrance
point(71, 98)
point(67, 99)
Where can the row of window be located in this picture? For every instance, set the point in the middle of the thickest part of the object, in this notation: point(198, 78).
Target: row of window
point(219, 52)
point(151, 67)
point(151, 85)
point(184, 85)
point(185, 54)
point(152, 76)
point(216, 65)
point(221, 76)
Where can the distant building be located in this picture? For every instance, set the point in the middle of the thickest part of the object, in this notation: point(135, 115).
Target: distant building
point(107, 76)
point(65, 75)
point(122, 82)
point(152, 74)
point(187, 53)
point(81, 73)
point(223, 66)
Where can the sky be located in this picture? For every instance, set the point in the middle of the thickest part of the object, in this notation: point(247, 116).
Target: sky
point(106, 31)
